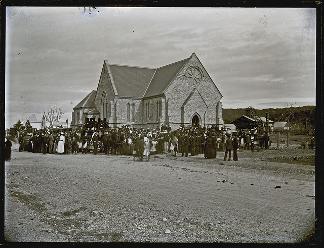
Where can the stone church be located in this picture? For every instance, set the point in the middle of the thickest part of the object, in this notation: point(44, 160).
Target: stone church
point(178, 93)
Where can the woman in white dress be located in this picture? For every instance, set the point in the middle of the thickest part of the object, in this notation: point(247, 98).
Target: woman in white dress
point(154, 143)
point(60, 144)
point(147, 148)
point(175, 145)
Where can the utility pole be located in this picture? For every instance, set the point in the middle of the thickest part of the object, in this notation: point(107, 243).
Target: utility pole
point(288, 125)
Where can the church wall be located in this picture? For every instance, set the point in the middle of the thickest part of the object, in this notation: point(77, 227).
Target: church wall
point(210, 117)
point(152, 112)
point(194, 105)
point(219, 113)
point(121, 112)
point(78, 117)
point(181, 87)
point(104, 88)
point(138, 113)
point(73, 118)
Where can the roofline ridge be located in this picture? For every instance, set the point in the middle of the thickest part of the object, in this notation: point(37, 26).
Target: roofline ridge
point(176, 74)
point(249, 117)
point(173, 62)
point(149, 83)
point(134, 66)
point(144, 67)
point(84, 99)
point(111, 78)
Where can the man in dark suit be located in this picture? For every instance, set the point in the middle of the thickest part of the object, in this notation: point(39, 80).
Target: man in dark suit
point(185, 144)
point(228, 147)
point(236, 145)
point(7, 150)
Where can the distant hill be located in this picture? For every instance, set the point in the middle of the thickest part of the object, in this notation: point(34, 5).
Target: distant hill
point(292, 114)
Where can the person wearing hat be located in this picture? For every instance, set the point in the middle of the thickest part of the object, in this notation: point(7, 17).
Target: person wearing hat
point(236, 145)
point(228, 147)
point(114, 139)
point(60, 143)
point(185, 144)
point(7, 150)
point(213, 145)
point(174, 143)
point(147, 147)
point(95, 140)
point(139, 147)
point(105, 142)
point(50, 143)
point(247, 141)
point(154, 144)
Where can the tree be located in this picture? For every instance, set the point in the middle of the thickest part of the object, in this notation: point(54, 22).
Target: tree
point(54, 114)
point(250, 112)
point(28, 126)
point(17, 129)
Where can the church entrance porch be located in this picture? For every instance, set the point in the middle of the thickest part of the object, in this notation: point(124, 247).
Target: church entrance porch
point(195, 121)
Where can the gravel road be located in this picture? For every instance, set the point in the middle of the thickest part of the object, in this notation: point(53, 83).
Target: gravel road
point(87, 197)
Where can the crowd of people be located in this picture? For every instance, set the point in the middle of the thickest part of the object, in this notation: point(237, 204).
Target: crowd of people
point(97, 137)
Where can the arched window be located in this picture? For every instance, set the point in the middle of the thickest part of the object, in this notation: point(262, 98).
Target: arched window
point(133, 112)
point(160, 108)
point(151, 110)
point(147, 111)
point(128, 111)
point(157, 110)
point(77, 116)
point(108, 109)
point(103, 104)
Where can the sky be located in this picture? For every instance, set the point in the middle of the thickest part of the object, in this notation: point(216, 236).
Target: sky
point(259, 57)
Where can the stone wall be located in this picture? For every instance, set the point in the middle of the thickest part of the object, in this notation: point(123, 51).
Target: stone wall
point(194, 105)
point(120, 117)
point(180, 89)
point(79, 115)
point(105, 92)
point(154, 116)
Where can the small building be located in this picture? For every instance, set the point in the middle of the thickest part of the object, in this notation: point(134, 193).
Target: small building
point(35, 120)
point(60, 124)
point(85, 109)
point(280, 126)
point(263, 121)
point(230, 128)
point(245, 122)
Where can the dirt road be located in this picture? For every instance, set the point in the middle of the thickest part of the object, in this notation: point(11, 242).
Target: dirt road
point(99, 198)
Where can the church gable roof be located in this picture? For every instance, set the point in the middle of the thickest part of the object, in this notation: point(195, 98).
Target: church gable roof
point(88, 101)
point(130, 81)
point(163, 76)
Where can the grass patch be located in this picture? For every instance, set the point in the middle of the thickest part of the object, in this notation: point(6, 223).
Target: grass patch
point(305, 160)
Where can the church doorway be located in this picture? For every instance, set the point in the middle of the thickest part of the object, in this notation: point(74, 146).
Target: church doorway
point(195, 120)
